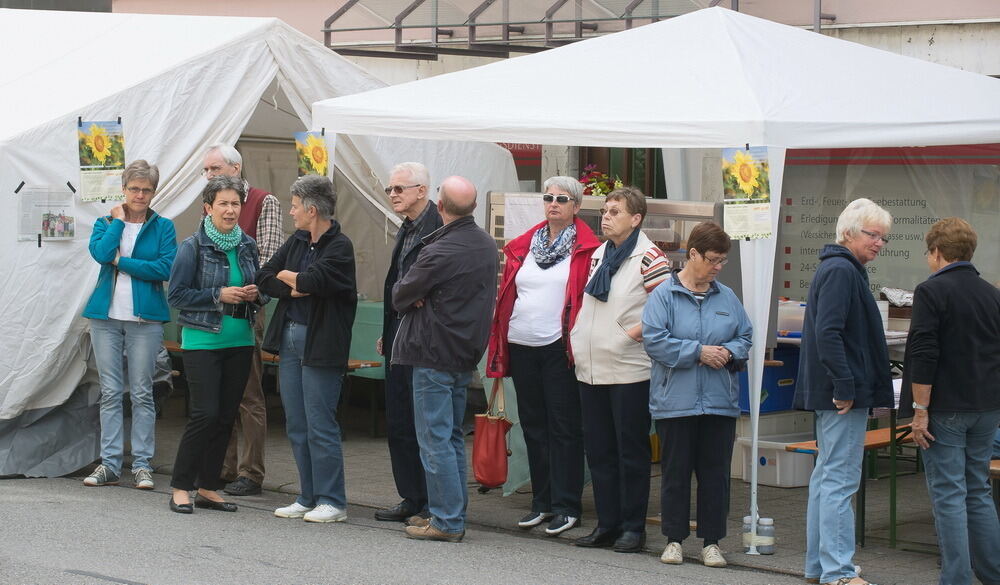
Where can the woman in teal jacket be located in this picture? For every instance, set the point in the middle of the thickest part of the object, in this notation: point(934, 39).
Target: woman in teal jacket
point(135, 248)
point(698, 336)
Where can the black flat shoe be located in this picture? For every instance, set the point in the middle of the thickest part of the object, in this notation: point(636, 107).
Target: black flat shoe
point(398, 513)
point(599, 538)
point(180, 508)
point(630, 542)
point(200, 502)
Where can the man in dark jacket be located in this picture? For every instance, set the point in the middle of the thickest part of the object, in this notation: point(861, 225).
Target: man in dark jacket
point(447, 300)
point(407, 190)
point(951, 387)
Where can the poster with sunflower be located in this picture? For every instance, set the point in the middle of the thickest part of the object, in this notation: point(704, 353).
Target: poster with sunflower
point(747, 192)
point(314, 158)
point(102, 160)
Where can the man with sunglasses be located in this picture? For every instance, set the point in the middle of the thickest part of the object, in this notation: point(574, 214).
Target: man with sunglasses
point(407, 192)
point(260, 218)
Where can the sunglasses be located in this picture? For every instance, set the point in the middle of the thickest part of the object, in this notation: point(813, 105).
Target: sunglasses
point(398, 189)
point(550, 198)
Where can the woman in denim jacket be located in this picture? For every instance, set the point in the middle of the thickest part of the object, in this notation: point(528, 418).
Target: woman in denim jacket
point(135, 248)
point(212, 283)
point(697, 335)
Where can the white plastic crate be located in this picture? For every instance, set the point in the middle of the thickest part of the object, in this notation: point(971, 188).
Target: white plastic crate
point(775, 466)
point(771, 423)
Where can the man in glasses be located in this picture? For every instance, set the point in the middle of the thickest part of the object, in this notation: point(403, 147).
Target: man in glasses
point(260, 218)
point(407, 191)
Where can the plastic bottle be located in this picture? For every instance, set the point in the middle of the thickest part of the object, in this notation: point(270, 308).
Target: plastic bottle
point(765, 535)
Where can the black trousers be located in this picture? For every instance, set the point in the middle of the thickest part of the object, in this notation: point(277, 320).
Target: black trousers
point(703, 445)
point(216, 379)
point(548, 405)
point(404, 452)
point(616, 437)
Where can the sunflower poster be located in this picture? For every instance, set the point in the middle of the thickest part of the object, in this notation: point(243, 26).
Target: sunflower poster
point(746, 192)
point(102, 160)
point(314, 158)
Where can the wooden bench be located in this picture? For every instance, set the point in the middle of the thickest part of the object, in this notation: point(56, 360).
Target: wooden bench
point(272, 360)
point(875, 439)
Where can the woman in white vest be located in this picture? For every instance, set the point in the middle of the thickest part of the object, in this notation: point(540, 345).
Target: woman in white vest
point(613, 370)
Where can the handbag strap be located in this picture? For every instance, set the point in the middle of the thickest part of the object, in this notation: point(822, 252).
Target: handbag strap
point(496, 399)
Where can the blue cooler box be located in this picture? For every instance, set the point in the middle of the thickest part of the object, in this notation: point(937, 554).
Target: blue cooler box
point(778, 384)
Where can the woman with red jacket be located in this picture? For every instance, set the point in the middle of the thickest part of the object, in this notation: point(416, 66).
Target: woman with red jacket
point(540, 294)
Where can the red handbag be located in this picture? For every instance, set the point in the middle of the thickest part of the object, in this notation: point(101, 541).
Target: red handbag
point(489, 444)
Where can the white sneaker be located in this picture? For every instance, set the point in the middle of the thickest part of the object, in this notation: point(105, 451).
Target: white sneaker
point(296, 510)
point(711, 556)
point(325, 513)
point(673, 554)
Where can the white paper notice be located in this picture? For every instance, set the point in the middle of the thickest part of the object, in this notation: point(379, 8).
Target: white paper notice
point(45, 212)
point(521, 212)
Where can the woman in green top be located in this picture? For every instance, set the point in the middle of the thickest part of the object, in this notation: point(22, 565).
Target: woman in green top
point(212, 284)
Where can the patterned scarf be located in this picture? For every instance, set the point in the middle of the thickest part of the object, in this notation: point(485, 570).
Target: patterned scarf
point(547, 255)
point(225, 242)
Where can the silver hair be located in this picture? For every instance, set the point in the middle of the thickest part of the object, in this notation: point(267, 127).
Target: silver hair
point(317, 192)
point(567, 184)
point(857, 215)
point(141, 170)
point(223, 183)
point(418, 172)
point(229, 153)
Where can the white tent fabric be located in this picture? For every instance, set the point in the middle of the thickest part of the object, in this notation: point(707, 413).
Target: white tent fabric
point(179, 84)
point(710, 79)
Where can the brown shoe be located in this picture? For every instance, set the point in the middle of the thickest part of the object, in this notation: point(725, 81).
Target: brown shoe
point(430, 533)
point(418, 521)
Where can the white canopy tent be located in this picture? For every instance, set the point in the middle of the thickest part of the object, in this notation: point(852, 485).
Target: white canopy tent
point(179, 84)
point(710, 79)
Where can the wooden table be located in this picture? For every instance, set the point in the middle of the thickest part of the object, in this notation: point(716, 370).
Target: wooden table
point(272, 360)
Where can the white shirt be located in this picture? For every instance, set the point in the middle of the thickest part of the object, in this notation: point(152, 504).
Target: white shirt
point(121, 302)
point(537, 317)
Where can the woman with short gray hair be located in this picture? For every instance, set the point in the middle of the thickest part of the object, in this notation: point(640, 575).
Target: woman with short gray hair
point(312, 275)
point(135, 248)
point(541, 292)
point(843, 372)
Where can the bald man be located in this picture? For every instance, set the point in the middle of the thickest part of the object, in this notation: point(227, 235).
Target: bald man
point(446, 299)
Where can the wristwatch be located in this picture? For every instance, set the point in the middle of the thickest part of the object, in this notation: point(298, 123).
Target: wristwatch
point(917, 406)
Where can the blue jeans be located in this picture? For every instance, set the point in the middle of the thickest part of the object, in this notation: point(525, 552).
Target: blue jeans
point(110, 338)
point(836, 477)
point(957, 465)
point(438, 410)
point(310, 395)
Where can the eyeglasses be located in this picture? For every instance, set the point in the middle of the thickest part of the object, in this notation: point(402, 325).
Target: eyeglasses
point(398, 189)
point(875, 236)
point(550, 198)
point(212, 170)
point(137, 190)
point(720, 261)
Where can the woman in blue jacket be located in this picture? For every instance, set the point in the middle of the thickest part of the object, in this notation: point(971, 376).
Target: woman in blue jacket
point(212, 284)
point(698, 336)
point(135, 248)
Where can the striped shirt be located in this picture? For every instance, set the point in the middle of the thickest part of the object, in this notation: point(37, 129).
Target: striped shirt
point(655, 268)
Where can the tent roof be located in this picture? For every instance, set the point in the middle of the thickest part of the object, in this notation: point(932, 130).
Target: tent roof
point(84, 57)
point(712, 78)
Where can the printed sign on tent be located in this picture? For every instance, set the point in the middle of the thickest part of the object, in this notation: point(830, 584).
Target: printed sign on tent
point(102, 160)
point(46, 212)
point(747, 192)
point(314, 156)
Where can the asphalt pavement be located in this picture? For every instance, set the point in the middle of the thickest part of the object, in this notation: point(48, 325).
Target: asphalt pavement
point(58, 532)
